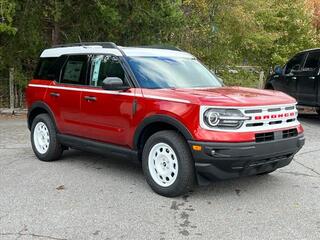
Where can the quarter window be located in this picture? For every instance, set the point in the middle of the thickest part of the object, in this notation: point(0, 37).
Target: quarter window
point(312, 62)
point(75, 70)
point(45, 69)
point(103, 66)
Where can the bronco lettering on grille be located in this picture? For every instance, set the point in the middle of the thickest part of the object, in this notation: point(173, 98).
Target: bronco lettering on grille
point(275, 116)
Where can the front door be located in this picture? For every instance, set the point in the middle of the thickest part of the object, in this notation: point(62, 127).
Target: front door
point(292, 72)
point(107, 114)
point(307, 86)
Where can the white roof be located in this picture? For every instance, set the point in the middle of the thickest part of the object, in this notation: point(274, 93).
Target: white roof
point(129, 51)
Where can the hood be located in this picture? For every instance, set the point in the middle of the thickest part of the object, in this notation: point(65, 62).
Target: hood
point(227, 96)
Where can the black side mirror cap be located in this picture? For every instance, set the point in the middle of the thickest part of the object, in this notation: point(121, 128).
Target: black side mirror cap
point(114, 84)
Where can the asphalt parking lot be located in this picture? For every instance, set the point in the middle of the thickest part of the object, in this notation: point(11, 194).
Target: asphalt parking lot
point(86, 196)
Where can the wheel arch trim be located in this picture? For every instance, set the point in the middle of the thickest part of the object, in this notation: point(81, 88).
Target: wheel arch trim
point(160, 118)
point(40, 105)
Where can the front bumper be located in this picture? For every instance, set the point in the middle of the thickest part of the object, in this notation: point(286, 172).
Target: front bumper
point(231, 160)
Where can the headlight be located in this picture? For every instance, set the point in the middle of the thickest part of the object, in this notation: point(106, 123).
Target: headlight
point(224, 118)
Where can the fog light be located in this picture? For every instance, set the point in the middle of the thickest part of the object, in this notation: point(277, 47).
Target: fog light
point(213, 152)
point(196, 148)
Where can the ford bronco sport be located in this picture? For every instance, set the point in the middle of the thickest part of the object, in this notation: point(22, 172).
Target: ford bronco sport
point(162, 107)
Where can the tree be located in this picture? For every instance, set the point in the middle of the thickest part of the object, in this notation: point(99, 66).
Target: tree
point(255, 32)
point(314, 7)
point(7, 9)
point(285, 29)
point(219, 32)
point(43, 23)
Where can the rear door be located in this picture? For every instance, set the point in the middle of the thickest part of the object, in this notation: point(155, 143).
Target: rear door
point(107, 115)
point(64, 95)
point(307, 86)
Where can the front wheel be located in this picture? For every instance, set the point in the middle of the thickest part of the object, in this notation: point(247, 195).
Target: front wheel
point(265, 173)
point(168, 164)
point(44, 139)
point(269, 87)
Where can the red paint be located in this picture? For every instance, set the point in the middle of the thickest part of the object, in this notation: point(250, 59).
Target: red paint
point(110, 118)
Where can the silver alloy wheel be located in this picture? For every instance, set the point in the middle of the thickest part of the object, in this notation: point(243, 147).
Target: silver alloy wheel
point(41, 137)
point(163, 164)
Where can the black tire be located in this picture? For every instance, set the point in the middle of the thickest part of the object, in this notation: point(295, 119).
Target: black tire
point(55, 149)
point(185, 178)
point(265, 173)
point(269, 87)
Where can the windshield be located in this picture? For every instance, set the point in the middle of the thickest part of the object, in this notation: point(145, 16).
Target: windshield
point(171, 72)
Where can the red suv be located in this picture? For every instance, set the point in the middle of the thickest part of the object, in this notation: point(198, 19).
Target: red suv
point(159, 106)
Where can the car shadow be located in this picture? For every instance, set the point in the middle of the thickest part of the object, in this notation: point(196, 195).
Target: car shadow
point(97, 162)
point(309, 119)
point(309, 116)
point(124, 168)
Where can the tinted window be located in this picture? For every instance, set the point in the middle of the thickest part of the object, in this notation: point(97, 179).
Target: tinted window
point(45, 69)
point(75, 70)
point(104, 66)
point(171, 72)
point(312, 62)
point(295, 63)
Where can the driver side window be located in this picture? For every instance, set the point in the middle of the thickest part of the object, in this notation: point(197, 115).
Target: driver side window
point(103, 66)
point(295, 64)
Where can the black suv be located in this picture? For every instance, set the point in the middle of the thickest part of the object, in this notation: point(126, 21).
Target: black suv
point(299, 78)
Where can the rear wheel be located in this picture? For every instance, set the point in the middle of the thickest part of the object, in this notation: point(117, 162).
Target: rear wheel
point(167, 164)
point(44, 139)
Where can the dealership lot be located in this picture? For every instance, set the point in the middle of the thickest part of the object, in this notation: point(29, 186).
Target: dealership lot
point(86, 196)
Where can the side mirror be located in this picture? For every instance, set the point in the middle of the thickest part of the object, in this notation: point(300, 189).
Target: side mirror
point(278, 70)
point(113, 83)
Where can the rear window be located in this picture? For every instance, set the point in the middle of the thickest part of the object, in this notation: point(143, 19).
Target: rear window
point(45, 69)
point(75, 70)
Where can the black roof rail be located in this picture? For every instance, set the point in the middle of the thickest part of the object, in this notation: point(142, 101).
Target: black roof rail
point(167, 47)
point(103, 44)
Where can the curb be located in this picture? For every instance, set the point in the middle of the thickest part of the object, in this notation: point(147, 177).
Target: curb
point(15, 111)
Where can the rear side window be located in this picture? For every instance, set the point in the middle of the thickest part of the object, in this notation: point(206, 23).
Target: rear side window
point(75, 70)
point(312, 62)
point(295, 63)
point(45, 69)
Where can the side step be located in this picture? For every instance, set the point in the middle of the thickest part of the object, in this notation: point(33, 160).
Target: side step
point(98, 147)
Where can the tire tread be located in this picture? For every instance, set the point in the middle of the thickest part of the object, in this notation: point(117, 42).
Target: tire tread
point(186, 173)
point(55, 149)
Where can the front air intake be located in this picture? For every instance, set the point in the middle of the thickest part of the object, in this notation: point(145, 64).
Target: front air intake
point(289, 133)
point(264, 137)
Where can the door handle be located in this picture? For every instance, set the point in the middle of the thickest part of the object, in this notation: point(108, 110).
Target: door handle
point(294, 78)
point(90, 98)
point(55, 94)
point(312, 78)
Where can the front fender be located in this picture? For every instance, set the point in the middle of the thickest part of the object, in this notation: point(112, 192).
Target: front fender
point(160, 118)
